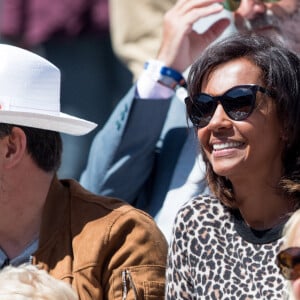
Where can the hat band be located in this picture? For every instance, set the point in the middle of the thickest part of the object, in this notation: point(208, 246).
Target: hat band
point(28, 106)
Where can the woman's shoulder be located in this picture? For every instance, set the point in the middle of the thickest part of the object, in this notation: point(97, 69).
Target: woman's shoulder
point(202, 219)
point(204, 208)
point(204, 203)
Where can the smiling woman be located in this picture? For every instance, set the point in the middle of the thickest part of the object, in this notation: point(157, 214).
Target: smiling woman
point(243, 103)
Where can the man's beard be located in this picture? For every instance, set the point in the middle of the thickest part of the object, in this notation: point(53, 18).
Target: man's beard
point(284, 30)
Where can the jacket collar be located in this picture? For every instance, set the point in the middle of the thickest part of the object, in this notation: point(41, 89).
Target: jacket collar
point(54, 213)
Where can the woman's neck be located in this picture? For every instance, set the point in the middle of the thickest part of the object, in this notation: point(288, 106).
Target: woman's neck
point(262, 206)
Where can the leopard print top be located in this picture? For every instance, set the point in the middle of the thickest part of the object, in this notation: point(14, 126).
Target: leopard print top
point(214, 255)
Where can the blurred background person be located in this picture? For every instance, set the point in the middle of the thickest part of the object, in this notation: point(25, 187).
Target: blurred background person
point(75, 36)
point(134, 40)
point(288, 259)
point(28, 282)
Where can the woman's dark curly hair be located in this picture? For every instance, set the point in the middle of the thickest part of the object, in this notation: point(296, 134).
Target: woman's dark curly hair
point(281, 75)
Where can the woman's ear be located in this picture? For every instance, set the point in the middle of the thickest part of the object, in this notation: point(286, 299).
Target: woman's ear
point(15, 147)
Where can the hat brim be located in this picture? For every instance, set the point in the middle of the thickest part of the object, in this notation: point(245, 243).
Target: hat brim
point(61, 123)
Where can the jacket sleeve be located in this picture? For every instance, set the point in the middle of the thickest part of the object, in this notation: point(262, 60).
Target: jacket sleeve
point(122, 153)
point(136, 259)
point(135, 44)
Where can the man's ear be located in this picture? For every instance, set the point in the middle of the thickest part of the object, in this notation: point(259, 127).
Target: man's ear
point(15, 143)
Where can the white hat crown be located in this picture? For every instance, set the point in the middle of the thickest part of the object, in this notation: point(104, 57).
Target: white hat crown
point(30, 93)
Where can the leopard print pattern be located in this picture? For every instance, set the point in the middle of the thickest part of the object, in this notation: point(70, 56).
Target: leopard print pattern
point(208, 259)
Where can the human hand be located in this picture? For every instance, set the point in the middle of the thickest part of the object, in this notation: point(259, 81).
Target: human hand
point(181, 45)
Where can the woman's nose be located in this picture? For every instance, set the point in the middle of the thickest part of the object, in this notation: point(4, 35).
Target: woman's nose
point(219, 119)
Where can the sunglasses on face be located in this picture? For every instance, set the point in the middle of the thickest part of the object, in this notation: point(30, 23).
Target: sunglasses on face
point(238, 103)
point(233, 5)
point(288, 261)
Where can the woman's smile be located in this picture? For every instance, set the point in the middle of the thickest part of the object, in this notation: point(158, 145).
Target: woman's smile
point(226, 149)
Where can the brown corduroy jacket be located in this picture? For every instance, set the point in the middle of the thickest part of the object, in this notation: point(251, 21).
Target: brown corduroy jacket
point(104, 247)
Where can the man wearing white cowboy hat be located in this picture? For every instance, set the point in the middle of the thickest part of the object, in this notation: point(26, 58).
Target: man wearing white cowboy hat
point(103, 247)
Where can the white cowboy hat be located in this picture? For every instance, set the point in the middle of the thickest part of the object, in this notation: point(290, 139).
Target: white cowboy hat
point(30, 93)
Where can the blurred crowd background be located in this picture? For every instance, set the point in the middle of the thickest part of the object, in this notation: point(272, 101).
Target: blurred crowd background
point(75, 36)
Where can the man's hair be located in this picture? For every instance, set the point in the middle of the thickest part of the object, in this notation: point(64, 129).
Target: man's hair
point(28, 282)
point(280, 72)
point(44, 146)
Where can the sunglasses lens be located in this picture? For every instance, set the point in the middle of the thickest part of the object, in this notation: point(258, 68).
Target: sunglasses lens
point(202, 110)
point(288, 261)
point(239, 103)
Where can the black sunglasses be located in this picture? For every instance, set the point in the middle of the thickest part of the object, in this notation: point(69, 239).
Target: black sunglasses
point(233, 5)
point(238, 103)
point(288, 261)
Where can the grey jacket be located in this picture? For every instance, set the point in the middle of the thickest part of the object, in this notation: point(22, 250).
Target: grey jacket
point(134, 156)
